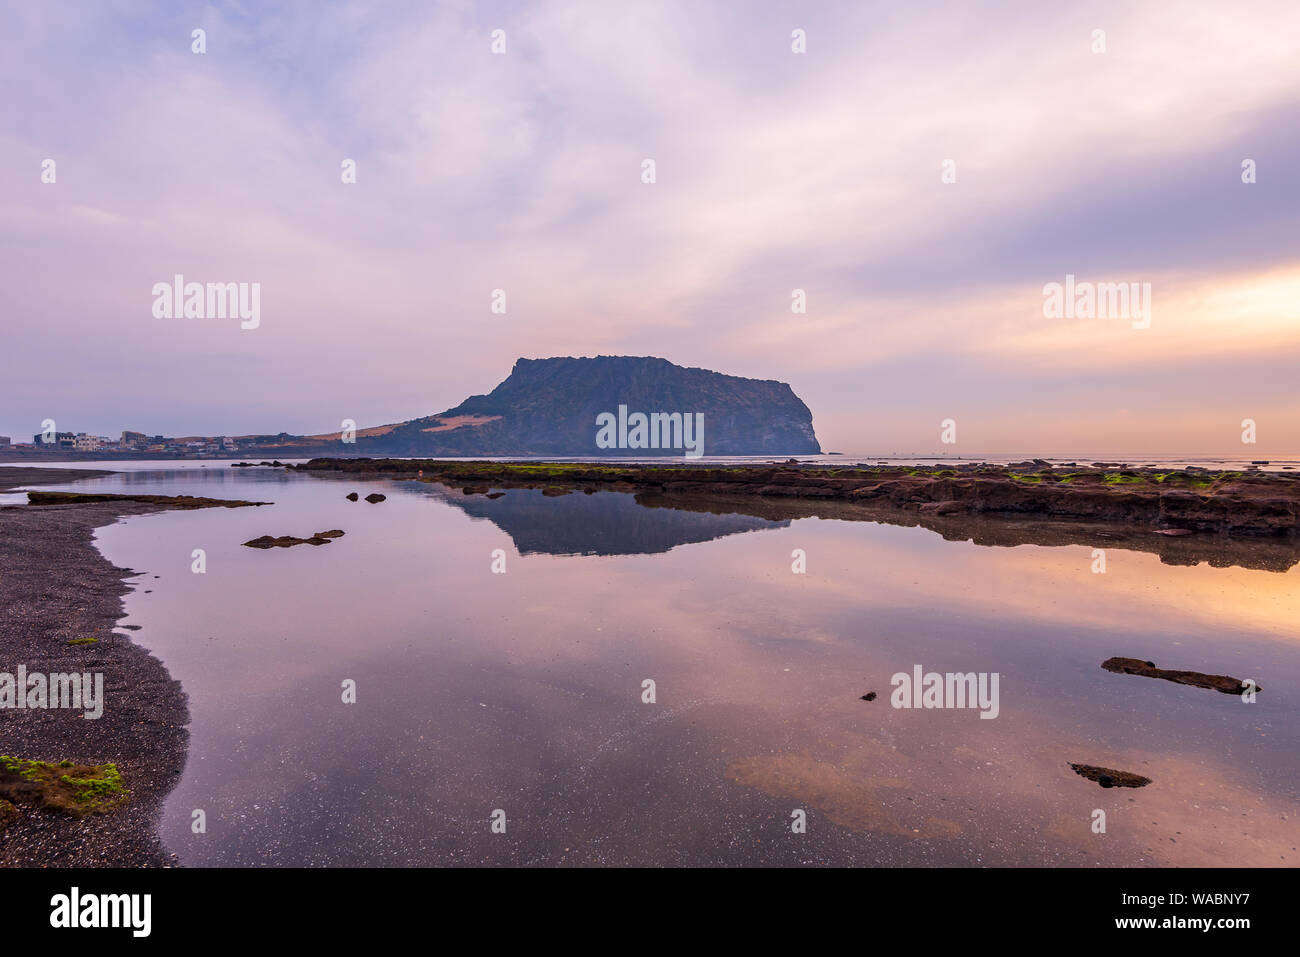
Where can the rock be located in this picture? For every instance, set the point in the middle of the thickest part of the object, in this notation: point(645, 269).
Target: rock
point(1147, 669)
point(869, 696)
point(352, 496)
point(66, 786)
point(475, 490)
point(549, 407)
point(288, 541)
point(1171, 503)
point(374, 498)
point(170, 501)
point(553, 492)
point(1109, 777)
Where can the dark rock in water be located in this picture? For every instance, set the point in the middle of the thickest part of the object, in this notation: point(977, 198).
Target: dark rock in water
point(495, 494)
point(170, 501)
point(1109, 777)
point(1147, 669)
point(374, 497)
point(475, 490)
point(352, 496)
point(553, 492)
point(869, 696)
point(288, 541)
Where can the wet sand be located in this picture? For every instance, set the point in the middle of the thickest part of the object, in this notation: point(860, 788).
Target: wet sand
point(55, 588)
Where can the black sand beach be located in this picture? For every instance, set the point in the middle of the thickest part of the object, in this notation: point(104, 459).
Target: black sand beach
point(55, 588)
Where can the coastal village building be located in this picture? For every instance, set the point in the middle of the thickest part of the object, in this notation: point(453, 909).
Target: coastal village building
point(89, 443)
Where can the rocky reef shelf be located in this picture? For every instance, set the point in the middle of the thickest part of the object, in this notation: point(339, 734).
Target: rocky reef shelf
point(1249, 504)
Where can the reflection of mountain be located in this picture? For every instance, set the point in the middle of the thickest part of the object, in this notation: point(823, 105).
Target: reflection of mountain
point(603, 523)
point(1000, 531)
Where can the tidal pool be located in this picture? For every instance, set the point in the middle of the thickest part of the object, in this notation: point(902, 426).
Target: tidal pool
point(479, 691)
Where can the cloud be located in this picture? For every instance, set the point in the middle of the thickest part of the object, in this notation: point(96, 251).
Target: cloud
point(775, 171)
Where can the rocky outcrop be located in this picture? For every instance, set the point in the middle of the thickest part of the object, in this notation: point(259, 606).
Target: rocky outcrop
point(288, 541)
point(1254, 505)
point(169, 501)
point(1109, 777)
point(550, 406)
point(1135, 666)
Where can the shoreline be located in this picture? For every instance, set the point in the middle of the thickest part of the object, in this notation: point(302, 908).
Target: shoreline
point(58, 588)
point(1247, 506)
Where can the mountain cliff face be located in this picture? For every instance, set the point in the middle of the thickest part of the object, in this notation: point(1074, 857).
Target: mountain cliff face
point(550, 407)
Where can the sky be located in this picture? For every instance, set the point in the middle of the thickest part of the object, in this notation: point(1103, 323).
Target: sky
point(823, 171)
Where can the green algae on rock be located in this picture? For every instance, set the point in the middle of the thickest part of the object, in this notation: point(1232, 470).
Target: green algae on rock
point(65, 786)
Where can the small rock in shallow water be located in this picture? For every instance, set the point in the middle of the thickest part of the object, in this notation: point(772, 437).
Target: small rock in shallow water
point(1147, 669)
point(1109, 777)
point(374, 498)
point(288, 541)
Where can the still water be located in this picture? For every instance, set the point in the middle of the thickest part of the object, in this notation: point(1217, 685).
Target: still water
point(523, 692)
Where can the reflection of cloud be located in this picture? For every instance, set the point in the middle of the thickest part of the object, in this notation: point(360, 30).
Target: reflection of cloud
point(533, 678)
point(1055, 586)
point(847, 799)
